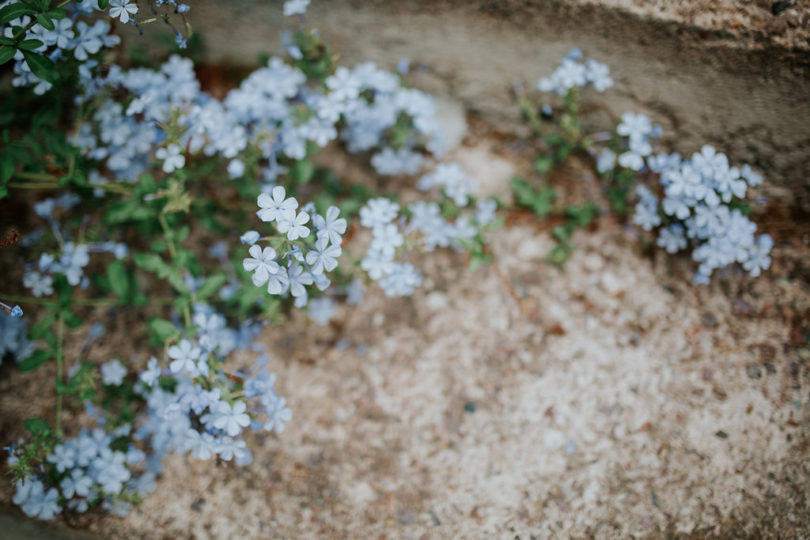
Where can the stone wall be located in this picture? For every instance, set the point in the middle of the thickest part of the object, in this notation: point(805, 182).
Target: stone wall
point(704, 85)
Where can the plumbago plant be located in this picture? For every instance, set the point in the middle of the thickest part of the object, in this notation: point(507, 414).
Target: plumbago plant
point(208, 218)
point(697, 203)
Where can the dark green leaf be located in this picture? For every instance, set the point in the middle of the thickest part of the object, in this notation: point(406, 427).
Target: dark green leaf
point(43, 327)
point(72, 320)
point(64, 290)
point(37, 426)
point(12, 11)
point(56, 13)
point(7, 52)
point(62, 388)
point(45, 20)
point(118, 279)
point(35, 360)
point(41, 66)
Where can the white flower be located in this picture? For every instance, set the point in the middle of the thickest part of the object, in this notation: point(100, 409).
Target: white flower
point(113, 373)
point(172, 157)
point(276, 207)
point(122, 9)
point(262, 263)
point(377, 212)
point(294, 227)
point(324, 256)
point(332, 227)
point(185, 356)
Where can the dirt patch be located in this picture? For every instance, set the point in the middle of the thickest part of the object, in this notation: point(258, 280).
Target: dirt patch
point(610, 398)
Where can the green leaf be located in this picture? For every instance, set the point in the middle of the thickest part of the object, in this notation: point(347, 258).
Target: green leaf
point(35, 360)
point(62, 388)
point(12, 11)
point(102, 4)
point(543, 164)
point(211, 285)
point(181, 234)
point(163, 330)
point(43, 327)
point(72, 320)
point(37, 426)
point(176, 281)
point(41, 66)
point(121, 212)
point(540, 202)
point(64, 290)
point(45, 20)
point(152, 263)
point(118, 279)
point(56, 13)
point(7, 52)
point(303, 171)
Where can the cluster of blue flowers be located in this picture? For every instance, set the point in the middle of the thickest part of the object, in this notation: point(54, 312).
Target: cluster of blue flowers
point(72, 258)
point(700, 204)
point(194, 407)
point(91, 468)
point(697, 201)
point(71, 36)
point(307, 260)
point(208, 408)
point(395, 237)
point(573, 72)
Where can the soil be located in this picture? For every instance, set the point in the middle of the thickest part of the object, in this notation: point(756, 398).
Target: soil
point(609, 398)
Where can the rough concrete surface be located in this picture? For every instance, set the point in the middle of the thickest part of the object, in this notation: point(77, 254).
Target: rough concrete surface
point(704, 77)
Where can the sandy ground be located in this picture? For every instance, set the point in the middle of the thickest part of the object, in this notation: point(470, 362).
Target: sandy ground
point(610, 399)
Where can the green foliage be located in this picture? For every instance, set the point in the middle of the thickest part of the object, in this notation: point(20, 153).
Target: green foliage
point(162, 331)
point(316, 59)
point(540, 201)
point(39, 357)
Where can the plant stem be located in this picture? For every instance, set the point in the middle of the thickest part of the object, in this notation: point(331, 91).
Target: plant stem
point(60, 335)
point(112, 188)
point(26, 185)
point(527, 108)
point(45, 177)
point(173, 252)
point(167, 235)
point(84, 302)
point(27, 300)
